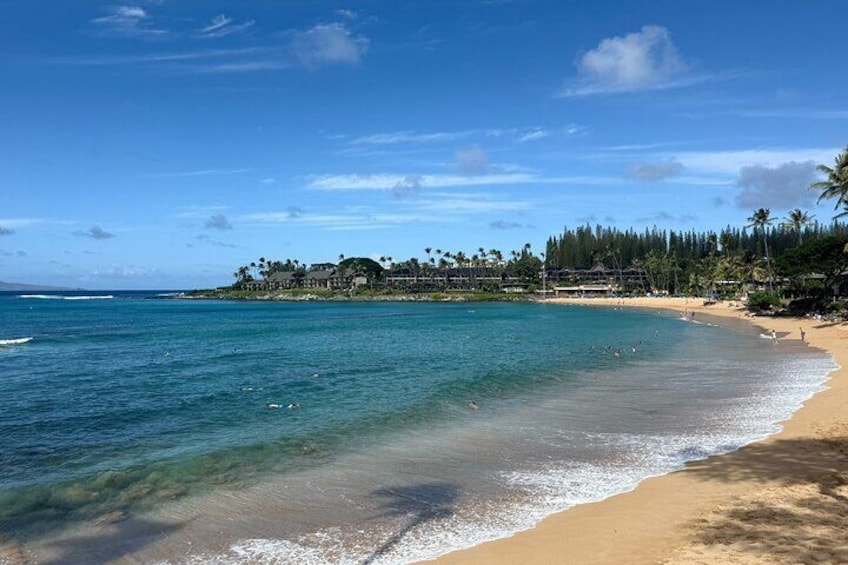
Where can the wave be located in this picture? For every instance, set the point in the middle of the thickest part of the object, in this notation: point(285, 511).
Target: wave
point(18, 341)
point(65, 297)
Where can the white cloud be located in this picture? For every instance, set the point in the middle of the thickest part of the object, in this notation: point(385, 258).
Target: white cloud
point(541, 133)
point(222, 26)
point(328, 44)
point(473, 161)
point(781, 187)
point(392, 138)
point(645, 60)
point(129, 21)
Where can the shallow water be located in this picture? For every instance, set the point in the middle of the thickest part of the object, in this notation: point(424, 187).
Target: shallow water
point(136, 430)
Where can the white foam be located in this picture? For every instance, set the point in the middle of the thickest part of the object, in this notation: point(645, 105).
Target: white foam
point(65, 297)
point(18, 341)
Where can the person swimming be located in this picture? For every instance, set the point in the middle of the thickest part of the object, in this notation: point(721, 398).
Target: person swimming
point(473, 405)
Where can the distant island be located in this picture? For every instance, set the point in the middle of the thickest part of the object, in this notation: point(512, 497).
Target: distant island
point(19, 287)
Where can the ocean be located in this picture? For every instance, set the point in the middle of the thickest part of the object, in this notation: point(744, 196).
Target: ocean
point(136, 428)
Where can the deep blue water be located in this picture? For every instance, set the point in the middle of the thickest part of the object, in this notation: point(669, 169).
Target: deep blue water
point(159, 407)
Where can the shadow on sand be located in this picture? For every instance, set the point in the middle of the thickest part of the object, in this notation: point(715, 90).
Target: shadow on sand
point(420, 504)
point(797, 510)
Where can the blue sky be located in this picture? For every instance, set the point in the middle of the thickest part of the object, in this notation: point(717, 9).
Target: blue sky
point(163, 143)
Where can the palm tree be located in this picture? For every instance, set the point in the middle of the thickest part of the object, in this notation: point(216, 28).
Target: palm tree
point(760, 220)
point(836, 183)
point(796, 220)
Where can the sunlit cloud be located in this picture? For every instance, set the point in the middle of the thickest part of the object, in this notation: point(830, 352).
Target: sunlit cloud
point(127, 21)
point(328, 44)
point(643, 60)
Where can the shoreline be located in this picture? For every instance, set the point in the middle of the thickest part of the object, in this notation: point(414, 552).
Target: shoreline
point(780, 500)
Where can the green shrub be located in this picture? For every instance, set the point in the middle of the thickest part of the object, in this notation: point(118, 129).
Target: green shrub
point(762, 301)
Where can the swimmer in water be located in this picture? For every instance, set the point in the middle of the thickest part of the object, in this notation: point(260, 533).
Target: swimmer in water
point(293, 406)
point(473, 405)
point(273, 405)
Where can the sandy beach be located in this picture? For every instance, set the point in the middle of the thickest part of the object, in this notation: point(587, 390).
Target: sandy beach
point(782, 500)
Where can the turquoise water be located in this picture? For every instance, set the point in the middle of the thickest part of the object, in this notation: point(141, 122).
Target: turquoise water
point(157, 413)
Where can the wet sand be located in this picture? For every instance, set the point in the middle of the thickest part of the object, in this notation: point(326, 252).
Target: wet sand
point(782, 500)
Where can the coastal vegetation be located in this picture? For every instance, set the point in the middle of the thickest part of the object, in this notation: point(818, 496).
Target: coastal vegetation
point(794, 261)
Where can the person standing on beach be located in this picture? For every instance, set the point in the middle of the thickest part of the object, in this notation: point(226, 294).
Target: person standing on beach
point(803, 333)
point(774, 336)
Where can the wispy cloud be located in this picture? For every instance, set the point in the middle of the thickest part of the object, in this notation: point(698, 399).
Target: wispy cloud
point(730, 162)
point(222, 26)
point(392, 138)
point(201, 173)
point(535, 134)
point(199, 211)
point(644, 60)
point(386, 181)
point(215, 55)
point(459, 204)
point(328, 44)
point(354, 220)
point(389, 181)
point(795, 113)
point(9, 226)
point(473, 161)
point(515, 134)
point(128, 21)
point(95, 232)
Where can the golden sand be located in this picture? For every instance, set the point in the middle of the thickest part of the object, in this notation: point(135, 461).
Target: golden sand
point(783, 500)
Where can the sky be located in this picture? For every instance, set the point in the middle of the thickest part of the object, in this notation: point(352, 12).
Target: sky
point(163, 143)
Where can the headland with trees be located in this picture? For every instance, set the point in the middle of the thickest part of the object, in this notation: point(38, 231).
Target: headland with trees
point(796, 262)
